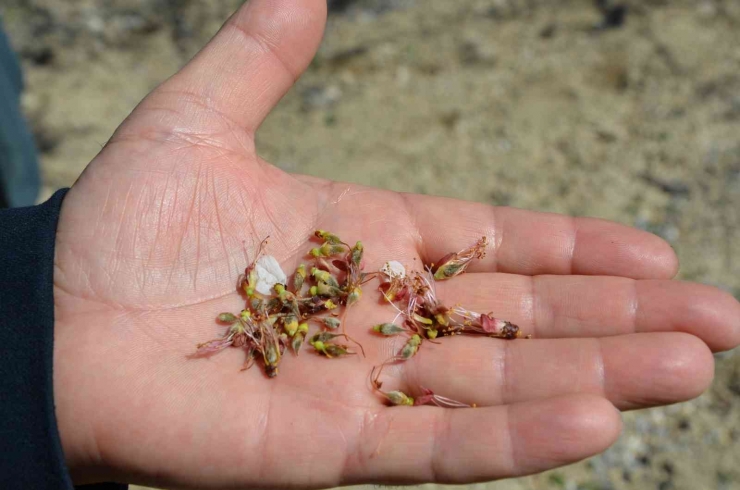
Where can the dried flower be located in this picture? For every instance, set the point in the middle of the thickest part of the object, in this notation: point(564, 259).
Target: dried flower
point(325, 277)
point(388, 329)
point(411, 348)
point(336, 350)
point(331, 322)
point(429, 398)
point(235, 336)
point(213, 346)
point(299, 278)
point(454, 264)
point(329, 237)
point(227, 318)
point(354, 295)
point(297, 342)
point(327, 250)
point(356, 254)
point(290, 324)
point(399, 398)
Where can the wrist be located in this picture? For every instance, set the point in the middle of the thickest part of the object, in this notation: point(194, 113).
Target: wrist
point(72, 378)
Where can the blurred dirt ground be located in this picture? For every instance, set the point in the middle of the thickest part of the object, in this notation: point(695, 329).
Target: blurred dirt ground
point(547, 105)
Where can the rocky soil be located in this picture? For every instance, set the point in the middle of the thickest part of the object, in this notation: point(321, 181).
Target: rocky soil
point(627, 114)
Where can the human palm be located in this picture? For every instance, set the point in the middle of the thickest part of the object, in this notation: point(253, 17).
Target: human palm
point(153, 236)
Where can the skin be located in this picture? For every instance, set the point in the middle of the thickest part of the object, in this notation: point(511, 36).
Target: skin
point(151, 241)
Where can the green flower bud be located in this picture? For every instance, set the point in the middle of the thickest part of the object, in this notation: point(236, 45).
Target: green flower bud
point(331, 322)
point(318, 345)
point(333, 350)
point(297, 342)
point(321, 275)
point(227, 318)
point(290, 324)
point(299, 277)
point(357, 252)
point(388, 329)
point(354, 296)
point(447, 271)
point(411, 347)
point(399, 398)
point(329, 237)
point(324, 337)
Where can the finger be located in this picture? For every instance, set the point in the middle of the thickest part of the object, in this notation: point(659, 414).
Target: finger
point(526, 242)
point(247, 67)
point(428, 444)
point(586, 306)
point(631, 371)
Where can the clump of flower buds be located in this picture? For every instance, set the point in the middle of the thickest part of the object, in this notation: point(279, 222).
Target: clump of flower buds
point(277, 311)
point(422, 316)
point(276, 315)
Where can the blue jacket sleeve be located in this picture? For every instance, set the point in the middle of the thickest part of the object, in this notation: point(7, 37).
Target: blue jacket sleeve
point(32, 456)
point(19, 169)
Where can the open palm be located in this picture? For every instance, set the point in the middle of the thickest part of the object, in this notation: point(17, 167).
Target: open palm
point(151, 241)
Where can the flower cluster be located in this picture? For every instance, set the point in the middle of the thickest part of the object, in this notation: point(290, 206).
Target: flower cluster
point(421, 316)
point(276, 313)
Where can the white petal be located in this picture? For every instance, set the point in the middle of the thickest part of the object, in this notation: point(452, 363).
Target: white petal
point(268, 273)
point(394, 268)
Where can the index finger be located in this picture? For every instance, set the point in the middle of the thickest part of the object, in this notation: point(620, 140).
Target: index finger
point(533, 243)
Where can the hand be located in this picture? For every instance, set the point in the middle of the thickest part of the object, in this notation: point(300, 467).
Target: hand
point(150, 244)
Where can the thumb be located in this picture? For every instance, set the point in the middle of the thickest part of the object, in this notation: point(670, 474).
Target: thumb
point(242, 73)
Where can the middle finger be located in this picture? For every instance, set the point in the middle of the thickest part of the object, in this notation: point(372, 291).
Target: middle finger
point(599, 306)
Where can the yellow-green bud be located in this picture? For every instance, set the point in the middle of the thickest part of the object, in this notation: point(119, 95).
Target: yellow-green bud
point(388, 329)
point(332, 323)
point(299, 277)
point(329, 237)
point(297, 342)
point(447, 271)
point(357, 251)
point(442, 319)
point(399, 398)
point(290, 323)
point(354, 296)
point(322, 275)
point(227, 318)
point(411, 347)
point(318, 345)
point(422, 319)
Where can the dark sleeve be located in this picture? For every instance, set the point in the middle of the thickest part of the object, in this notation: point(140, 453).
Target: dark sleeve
point(19, 168)
point(31, 454)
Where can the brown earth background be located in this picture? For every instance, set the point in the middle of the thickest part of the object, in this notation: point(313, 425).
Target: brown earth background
point(525, 103)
